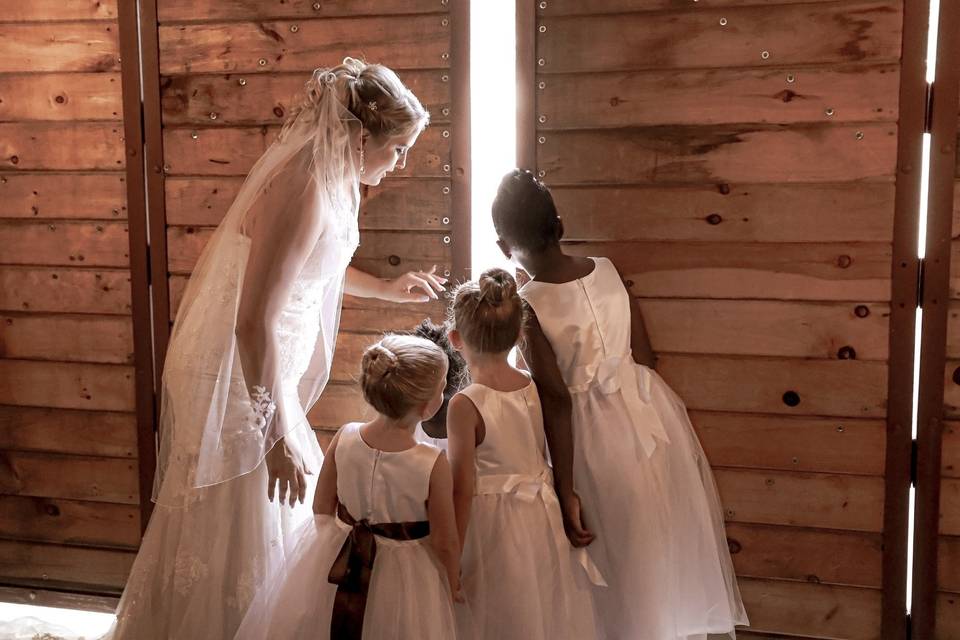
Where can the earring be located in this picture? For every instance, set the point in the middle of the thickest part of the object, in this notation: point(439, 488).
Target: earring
point(362, 168)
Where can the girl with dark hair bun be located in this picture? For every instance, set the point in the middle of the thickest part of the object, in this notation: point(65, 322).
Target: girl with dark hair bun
point(618, 434)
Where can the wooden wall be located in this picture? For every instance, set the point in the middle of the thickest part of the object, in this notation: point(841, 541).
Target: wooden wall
point(228, 73)
point(69, 498)
point(736, 160)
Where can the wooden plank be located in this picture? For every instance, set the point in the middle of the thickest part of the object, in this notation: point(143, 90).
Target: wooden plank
point(809, 555)
point(69, 521)
point(768, 328)
point(73, 338)
point(95, 433)
point(765, 385)
point(719, 96)
point(833, 33)
point(577, 7)
point(853, 503)
point(953, 329)
point(190, 11)
point(59, 599)
point(64, 566)
point(812, 610)
point(711, 270)
point(407, 42)
point(51, 10)
point(338, 405)
point(65, 385)
point(65, 46)
point(951, 389)
point(89, 196)
point(57, 146)
point(950, 506)
point(820, 445)
point(264, 99)
point(233, 151)
point(88, 244)
point(407, 204)
point(848, 212)
point(48, 475)
point(949, 564)
point(409, 250)
point(950, 457)
point(683, 154)
point(60, 96)
point(42, 289)
point(948, 616)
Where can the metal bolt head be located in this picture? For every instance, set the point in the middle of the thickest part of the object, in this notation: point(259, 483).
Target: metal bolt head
point(262, 62)
point(445, 56)
point(542, 119)
point(840, 428)
point(445, 21)
point(445, 111)
point(829, 111)
point(194, 135)
point(765, 55)
point(446, 134)
point(541, 173)
point(859, 135)
point(446, 239)
point(791, 78)
point(444, 2)
point(446, 168)
point(543, 5)
point(446, 220)
point(446, 272)
point(723, 22)
point(213, 115)
point(541, 139)
point(294, 28)
point(541, 62)
point(446, 190)
point(444, 78)
point(242, 82)
point(316, 6)
point(542, 85)
point(543, 28)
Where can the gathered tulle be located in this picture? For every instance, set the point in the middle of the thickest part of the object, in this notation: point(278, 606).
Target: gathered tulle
point(520, 577)
point(659, 524)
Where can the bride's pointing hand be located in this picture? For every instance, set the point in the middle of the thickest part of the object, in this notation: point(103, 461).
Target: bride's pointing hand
point(415, 286)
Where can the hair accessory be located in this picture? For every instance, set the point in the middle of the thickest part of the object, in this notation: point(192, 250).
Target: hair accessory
point(373, 105)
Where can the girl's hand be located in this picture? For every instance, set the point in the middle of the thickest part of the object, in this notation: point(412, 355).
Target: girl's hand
point(286, 467)
point(414, 286)
point(573, 524)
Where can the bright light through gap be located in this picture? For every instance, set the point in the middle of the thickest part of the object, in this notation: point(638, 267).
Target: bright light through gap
point(493, 112)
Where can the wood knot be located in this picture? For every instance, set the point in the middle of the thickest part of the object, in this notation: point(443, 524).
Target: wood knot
point(956, 376)
point(394, 260)
point(844, 261)
point(714, 218)
point(791, 398)
point(60, 99)
point(847, 353)
point(861, 311)
point(52, 510)
point(786, 95)
point(734, 546)
point(615, 101)
point(723, 188)
point(14, 159)
point(278, 111)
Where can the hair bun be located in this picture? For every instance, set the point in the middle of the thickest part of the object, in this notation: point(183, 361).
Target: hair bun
point(496, 286)
point(380, 361)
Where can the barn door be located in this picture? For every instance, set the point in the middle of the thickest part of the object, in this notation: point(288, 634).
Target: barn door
point(74, 328)
point(738, 161)
point(227, 74)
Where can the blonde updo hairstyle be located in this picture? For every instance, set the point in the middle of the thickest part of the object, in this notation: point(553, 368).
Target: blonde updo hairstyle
point(488, 312)
point(373, 94)
point(401, 372)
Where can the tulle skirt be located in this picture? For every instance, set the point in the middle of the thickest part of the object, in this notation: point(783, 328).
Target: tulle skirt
point(200, 565)
point(408, 598)
point(660, 540)
point(520, 577)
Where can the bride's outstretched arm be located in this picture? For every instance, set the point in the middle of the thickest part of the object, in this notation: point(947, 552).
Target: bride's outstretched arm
point(413, 286)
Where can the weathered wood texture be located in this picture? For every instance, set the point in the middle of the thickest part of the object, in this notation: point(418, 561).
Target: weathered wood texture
point(740, 172)
point(69, 499)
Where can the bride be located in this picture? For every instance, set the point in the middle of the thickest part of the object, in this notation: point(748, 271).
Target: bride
point(251, 351)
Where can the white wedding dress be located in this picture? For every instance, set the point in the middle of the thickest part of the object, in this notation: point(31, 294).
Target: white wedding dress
point(214, 537)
